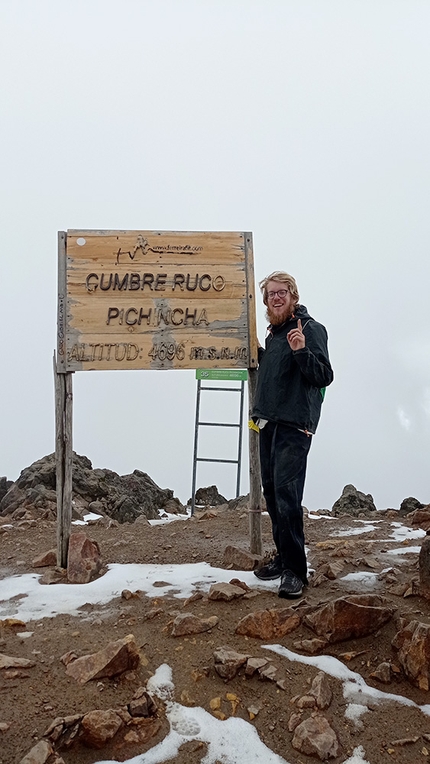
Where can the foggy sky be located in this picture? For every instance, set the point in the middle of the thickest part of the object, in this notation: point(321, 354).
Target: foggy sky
point(305, 122)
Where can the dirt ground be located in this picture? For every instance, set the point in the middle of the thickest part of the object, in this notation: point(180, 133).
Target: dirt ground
point(34, 697)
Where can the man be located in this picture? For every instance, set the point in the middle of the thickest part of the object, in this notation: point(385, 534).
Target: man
point(294, 370)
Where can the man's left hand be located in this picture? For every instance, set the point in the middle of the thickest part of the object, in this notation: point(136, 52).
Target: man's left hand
point(296, 338)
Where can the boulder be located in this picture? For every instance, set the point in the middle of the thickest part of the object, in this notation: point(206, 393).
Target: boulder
point(117, 657)
point(228, 662)
point(268, 624)
point(98, 727)
point(353, 502)
point(315, 737)
point(187, 623)
point(349, 617)
point(5, 484)
point(240, 559)
point(124, 498)
point(209, 497)
point(413, 645)
point(83, 560)
point(409, 505)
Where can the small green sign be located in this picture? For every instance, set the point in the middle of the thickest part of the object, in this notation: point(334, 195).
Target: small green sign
point(233, 374)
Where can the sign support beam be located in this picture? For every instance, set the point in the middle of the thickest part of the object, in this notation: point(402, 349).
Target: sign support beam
point(256, 546)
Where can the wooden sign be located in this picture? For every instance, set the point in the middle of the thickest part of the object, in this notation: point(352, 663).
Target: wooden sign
point(155, 300)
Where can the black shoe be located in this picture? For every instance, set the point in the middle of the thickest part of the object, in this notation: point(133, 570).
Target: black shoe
point(291, 586)
point(270, 571)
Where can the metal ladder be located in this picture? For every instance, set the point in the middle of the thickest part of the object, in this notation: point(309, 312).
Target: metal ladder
point(225, 375)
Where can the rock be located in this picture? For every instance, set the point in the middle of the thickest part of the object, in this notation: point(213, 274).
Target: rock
point(228, 662)
point(353, 502)
point(5, 484)
point(83, 561)
point(39, 754)
point(142, 705)
point(349, 617)
point(208, 497)
point(306, 701)
point(268, 624)
point(123, 497)
point(269, 672)
point(421, 517)
point(255, 664)
point(239, 504)
point(98, 727)
point(321, 690)
point(224, 591)
point(8, 661)
point(331, 569)
point(46, 559)
point(413, 645)
point(311, 646)
point(294, 721)
point(116, 658)
point(53, 576)
point(315, 737)
point(241, 584)
point(382, 672)
point(187, 623)
point(409, 505)
point(240, 559)
point(424, 568)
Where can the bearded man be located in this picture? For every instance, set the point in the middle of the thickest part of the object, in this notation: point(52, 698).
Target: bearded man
point(294, 370)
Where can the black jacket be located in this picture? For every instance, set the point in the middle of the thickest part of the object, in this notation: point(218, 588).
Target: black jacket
point(290, 383)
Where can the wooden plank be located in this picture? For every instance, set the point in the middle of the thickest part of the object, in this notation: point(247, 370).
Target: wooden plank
point(165, 351)
point(63, 462)
point(138, 247)
point(62, 302)
point(251, 305)
point(68, 466)
point(256, 545)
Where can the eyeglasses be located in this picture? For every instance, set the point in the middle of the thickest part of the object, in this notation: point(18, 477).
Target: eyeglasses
point(281, 293)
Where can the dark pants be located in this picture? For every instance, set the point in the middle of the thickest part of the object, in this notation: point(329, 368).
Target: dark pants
point(283, 455)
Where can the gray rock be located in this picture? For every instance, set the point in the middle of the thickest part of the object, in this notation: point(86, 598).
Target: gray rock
point(315, 737)
point(123, 497)
point(353, 502)
point(409, 505)
point(209, 497)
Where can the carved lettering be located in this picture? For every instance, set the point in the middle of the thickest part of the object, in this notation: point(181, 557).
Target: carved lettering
point(178, 280)
point(112, 313)
point(147, 280)
point(128, 321)
point(189, 315)
point(122, 351)
point(194, 286)
point(134, 281)
point(91, 282)
point(202, 319)
point(118, 284)
point(102, 284)
point(160, 282)
point(143, 315)
point(155, 282)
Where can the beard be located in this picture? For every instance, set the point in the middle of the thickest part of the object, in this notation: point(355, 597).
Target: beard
point(276, 319)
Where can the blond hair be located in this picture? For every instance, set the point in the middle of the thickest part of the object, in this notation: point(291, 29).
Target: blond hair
point(283, 278)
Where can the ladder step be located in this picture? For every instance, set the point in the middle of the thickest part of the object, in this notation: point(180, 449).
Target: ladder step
point(224, 461)
point(218, 424)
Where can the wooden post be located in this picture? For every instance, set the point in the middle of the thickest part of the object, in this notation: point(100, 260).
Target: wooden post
point(256, 546)
point(63, 462)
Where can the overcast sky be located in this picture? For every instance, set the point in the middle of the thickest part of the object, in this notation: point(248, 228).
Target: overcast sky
point(303, 121)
